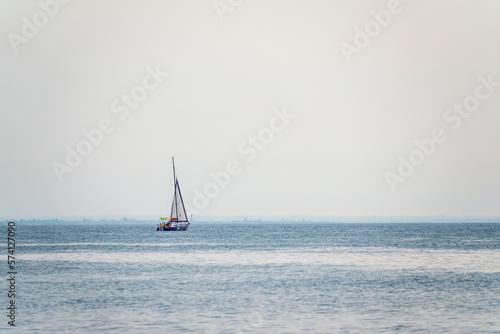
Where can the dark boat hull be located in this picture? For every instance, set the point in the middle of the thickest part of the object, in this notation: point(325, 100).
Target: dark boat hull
point(173, 228)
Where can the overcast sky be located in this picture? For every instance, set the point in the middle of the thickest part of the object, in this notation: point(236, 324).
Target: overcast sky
point(350, 107)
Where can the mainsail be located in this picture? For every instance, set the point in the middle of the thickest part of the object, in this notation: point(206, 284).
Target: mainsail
point(178, 212)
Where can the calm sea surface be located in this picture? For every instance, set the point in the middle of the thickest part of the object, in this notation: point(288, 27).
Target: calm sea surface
point(257, 278)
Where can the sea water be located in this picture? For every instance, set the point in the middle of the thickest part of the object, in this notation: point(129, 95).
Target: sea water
point(257, 278)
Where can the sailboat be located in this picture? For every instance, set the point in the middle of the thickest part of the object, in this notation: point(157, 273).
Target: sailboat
point(178, 220)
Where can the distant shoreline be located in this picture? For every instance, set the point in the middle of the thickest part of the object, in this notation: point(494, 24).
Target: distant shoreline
point(338, 220)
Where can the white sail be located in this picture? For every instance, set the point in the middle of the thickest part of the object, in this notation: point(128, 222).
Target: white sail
point(178, 212)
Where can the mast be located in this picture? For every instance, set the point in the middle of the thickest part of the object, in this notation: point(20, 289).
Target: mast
point(173, 166)
point(175, 194)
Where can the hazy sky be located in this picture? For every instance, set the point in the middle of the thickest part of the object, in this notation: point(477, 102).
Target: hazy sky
point(356, 104)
